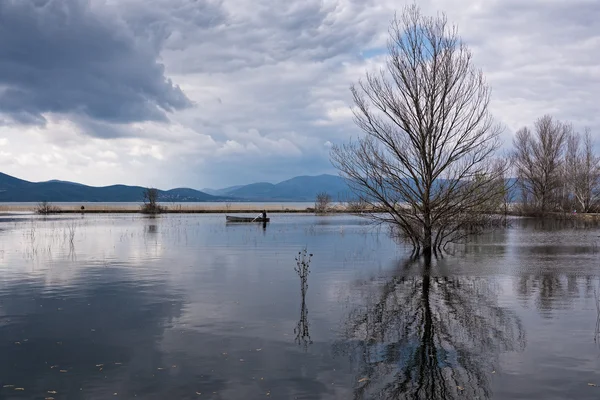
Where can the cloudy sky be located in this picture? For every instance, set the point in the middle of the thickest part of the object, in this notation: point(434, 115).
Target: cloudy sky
point(209, 93)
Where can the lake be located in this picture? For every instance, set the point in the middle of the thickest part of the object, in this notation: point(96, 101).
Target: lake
point(133, 206)
point(173, 204)
point(189, 307)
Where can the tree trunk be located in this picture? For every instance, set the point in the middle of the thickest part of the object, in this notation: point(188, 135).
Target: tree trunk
point(427, 234)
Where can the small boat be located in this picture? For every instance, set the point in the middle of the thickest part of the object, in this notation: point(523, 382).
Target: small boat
point(245, 219)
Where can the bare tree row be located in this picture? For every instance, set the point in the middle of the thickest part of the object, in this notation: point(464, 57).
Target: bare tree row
point(556, 167)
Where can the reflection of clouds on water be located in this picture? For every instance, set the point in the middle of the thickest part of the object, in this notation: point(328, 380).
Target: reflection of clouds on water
point(36, 244)
point(115, 315)
point(428, 337)
point(104, 318)
point(241, 294)
point(254, 367)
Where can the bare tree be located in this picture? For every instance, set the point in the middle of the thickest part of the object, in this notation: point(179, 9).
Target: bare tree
point(151, 205)
point(425, 161)
point(322, 202)
point(582, 171)
point(45, 208)
point(570, 169)
point(538, 162)
point(356, 206)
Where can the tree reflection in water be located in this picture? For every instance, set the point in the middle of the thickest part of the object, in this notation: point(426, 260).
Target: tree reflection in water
point(419, 336)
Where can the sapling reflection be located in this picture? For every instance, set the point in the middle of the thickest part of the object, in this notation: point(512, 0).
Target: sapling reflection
point(302, 268)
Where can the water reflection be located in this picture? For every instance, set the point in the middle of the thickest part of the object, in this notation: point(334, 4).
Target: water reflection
point(84, 340)
point(569, 222)
point(419, 336)
point(550, 291)
point(72, 253)
point(152, 228)
point(197, 306)
point(303, 270)
point(597, 304)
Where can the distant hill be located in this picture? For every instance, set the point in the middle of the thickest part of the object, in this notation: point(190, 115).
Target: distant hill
point(17, 190)
point(220, 192)
point(305, 188)
point(300, 188)
point(57, 181)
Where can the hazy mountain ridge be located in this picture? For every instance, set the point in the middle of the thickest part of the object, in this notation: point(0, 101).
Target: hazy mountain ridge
point(220, 192)
point(17, 190)
point(301, 188)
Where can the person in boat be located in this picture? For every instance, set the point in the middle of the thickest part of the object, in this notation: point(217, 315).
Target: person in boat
point(264, 215)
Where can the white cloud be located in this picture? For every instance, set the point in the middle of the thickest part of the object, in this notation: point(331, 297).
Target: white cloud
point(143, 150)
point(108, 154)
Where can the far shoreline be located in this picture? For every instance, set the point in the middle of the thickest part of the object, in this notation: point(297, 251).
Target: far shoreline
point(242, 208)
point(208, 208)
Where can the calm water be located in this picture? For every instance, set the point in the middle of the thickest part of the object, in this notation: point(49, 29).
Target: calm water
point(174, 204)
point(187, 307)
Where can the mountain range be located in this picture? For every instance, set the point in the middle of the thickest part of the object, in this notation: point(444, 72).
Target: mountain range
point(301, 188)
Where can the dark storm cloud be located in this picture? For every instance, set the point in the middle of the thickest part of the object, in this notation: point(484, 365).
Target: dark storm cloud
point(68, 56)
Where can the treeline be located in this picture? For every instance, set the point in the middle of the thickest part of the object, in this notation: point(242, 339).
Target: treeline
point(556, 167)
